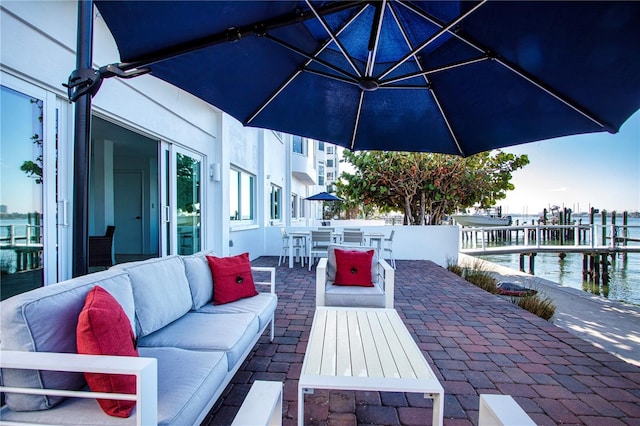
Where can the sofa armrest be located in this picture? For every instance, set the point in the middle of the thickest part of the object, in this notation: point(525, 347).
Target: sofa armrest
point(388, 278)
point(145, 370)
point(321, 281)
point(272, 276)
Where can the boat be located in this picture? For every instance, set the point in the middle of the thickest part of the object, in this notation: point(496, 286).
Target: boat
point(514, 289)
point(487, 217)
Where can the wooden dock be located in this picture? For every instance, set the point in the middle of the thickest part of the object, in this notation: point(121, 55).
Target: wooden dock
point(598, 243)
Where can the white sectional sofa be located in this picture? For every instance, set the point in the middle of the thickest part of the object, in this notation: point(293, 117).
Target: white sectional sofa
point(189, 348)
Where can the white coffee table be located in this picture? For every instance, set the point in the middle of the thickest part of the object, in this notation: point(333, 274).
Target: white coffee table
point(365, 349)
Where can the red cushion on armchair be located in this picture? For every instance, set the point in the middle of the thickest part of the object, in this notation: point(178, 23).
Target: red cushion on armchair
point(353, 267)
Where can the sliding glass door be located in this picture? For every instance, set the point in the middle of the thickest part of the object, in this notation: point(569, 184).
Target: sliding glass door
point(182, 228)
point(28, 187)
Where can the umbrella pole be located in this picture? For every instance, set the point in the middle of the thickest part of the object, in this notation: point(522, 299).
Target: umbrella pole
point(81, 150)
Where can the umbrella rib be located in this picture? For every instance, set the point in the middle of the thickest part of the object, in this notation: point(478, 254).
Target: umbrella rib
point(297, 73)
point(425, 73)
point(231, 35)
point(357, 122)
point(331, 76)
point(431, 39)
point(311, 58)
point(272, 97)
point(320, 18)
point(550, 91)
point(448, 123)
point(430, 86)
point(515, 69)
point(374, 38)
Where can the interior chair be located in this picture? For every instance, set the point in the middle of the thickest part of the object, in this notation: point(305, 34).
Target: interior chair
point(351, 229)
point(352, 237)
point(381, 295)
point(299, 247)
point(318, 245)
point(101, 251)
point(387, 247)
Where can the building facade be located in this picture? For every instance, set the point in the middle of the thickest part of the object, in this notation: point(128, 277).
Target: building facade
point(174, 174)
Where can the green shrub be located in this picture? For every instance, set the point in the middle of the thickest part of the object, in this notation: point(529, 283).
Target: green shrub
point(542, 307)
point(455, 268)
point(482, 279)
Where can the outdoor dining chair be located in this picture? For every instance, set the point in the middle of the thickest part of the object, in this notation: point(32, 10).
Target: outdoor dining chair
point(387, 247)
point(353, 238)
point(299, 247)
point(101, 253)
point(319, 244)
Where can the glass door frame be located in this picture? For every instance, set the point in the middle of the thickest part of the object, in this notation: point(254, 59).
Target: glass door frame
point(56, 232)
point(169, 244)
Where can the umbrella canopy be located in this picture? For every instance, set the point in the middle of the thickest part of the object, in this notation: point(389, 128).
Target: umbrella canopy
point(456, 77)
point(323, 196)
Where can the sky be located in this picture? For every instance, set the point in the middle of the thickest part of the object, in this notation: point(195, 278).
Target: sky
point(600, 170)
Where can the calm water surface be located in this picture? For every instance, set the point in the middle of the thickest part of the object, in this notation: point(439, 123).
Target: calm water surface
point(624, 275)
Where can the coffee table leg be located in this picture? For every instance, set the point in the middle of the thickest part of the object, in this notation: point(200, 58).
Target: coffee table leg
point(300, 406)
point(438, 408)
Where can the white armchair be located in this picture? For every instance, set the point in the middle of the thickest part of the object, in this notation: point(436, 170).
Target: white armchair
point(379, 296)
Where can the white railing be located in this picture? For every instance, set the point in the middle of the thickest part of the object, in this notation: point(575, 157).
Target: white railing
point(32, 236)
point(585, 236)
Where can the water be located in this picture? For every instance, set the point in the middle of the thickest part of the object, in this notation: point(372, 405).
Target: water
point(624, 275)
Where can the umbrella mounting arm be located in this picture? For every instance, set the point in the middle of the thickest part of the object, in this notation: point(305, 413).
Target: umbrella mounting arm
point(87, 81)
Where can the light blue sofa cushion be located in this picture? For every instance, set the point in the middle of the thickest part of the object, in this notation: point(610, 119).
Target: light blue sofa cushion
point(187, 380)
point(160, 290)
point(231, 333)
point(200, 280)
point(45, 320)
point(353, 296)
point(263, 305)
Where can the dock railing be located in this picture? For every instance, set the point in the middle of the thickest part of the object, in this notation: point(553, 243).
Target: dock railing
point(573, 237)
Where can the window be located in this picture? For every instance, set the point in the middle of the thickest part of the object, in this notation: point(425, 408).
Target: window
point(276, 202)
point(294, 206)
point(321, 174)
point(329, 149)
point(320, 146)
point(330, 176)
point(330, 163)
point(241, 196)
point(299, 145)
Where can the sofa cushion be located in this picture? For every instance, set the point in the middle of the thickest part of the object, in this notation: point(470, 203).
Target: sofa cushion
point(26, 325)
point(232, 278)
point(160, 290)
point(349, 296)
point(331, 261)
point(104, 329)
point(263, 305)
point(231, 333)
point(198, 274)
point(187, 381)
point(353, 267)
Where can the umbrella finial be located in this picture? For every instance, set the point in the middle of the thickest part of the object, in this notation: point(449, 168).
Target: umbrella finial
point(368, 84)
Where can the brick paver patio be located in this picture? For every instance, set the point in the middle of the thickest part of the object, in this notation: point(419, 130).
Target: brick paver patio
point(475, 342)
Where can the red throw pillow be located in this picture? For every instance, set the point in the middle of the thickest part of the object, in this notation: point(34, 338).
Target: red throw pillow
point(104, 329)
point(232, 278)
point(353, 267)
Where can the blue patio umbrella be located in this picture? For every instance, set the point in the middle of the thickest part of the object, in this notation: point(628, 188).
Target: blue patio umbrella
point(323, 196)
point(456, 77)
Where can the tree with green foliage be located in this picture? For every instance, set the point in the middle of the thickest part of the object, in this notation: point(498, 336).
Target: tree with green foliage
point(426, 187)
